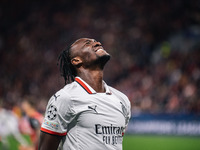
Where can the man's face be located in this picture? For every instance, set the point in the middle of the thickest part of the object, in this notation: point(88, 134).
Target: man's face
point(90, 51)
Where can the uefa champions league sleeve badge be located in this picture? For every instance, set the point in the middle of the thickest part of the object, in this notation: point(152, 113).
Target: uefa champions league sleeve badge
point(52, 112)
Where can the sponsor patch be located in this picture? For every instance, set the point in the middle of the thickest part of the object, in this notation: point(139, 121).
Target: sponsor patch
point(51, 124)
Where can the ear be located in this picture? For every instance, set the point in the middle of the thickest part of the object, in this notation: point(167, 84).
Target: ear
point(76, 61)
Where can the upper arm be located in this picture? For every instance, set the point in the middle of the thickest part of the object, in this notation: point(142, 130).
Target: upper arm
point(58, 115)
point(48, 141)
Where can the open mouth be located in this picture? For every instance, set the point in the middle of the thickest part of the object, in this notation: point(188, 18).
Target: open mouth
point(99, 50)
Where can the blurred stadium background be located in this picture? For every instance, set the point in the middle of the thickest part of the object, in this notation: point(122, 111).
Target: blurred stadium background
point(155, 48)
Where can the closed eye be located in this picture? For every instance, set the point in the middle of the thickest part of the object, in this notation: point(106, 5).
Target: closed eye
point(87, 42)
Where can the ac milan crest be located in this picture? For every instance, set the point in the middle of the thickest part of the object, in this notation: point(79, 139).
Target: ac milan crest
point(124, 112)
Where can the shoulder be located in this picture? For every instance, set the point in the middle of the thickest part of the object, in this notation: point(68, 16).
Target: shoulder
point(117, 92)
point(63, 97)
point(120, 95)
point(66, 92)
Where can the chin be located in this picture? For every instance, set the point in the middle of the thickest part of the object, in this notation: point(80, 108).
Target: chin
point(102, 60)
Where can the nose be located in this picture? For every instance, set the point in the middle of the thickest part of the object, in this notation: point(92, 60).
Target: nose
point(96, 44)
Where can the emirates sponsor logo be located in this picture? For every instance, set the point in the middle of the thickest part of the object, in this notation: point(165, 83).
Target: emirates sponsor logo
point(110, 134)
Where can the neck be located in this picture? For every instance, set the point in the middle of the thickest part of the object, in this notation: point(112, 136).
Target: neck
point(94, 78)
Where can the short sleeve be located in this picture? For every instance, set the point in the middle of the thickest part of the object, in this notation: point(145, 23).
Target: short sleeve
point(59, 113)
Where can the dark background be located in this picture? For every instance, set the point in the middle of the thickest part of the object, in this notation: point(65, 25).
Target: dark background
point(154, 46)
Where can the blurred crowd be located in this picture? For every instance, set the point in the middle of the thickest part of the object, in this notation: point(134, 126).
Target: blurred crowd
point(20, 125)
point(170, 86)
point(157, 76)
point(154, 46)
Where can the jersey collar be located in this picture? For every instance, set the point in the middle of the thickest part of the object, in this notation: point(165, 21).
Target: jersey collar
point(88, 88)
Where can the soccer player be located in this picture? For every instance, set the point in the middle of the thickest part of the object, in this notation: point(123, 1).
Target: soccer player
point(86, 114)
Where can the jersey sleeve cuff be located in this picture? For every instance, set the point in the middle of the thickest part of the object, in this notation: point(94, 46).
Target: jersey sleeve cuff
point(52, 132)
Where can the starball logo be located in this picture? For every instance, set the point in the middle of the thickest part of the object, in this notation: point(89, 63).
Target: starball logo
point(110, 134)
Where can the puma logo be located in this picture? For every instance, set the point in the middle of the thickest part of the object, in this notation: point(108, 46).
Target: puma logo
point(93, 108)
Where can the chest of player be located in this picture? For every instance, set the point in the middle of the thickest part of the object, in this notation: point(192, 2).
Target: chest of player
point(99, 110)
